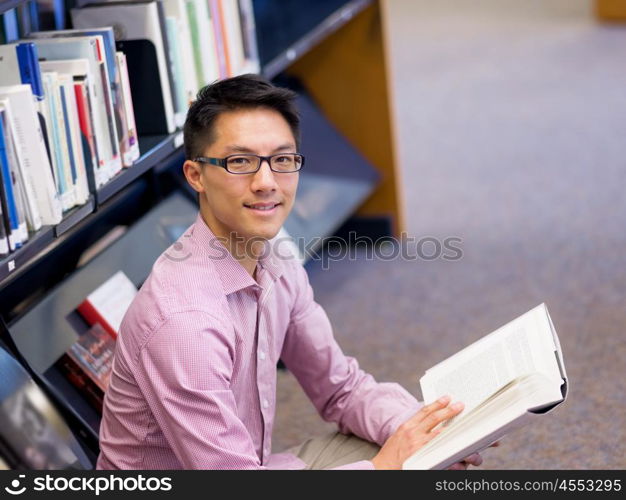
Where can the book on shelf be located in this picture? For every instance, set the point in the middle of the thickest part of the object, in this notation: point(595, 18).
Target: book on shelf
point(128, 143)
point(28, 220)
point(92, 49)
point(248, 28)
point(27, 194)
point(140, 35)
point(9, 198)
point(73, 75)
point(506, 380)
point(108, 303)
point(65, 171)
point(87, 363)
point(176, 10)
point(129, 126)
point(30, 150)
point(203, 40)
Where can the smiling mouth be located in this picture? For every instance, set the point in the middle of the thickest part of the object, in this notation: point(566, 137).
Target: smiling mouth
point(262, 207)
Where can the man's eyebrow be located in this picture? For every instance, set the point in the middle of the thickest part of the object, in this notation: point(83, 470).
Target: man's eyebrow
point(235, 148)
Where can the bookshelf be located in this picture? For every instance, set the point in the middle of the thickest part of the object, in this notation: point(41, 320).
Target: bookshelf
point(355, 172)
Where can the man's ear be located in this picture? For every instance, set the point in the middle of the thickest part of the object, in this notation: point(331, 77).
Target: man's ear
point(193, 174)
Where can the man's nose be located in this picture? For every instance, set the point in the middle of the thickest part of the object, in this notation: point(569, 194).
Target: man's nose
point(264, 179)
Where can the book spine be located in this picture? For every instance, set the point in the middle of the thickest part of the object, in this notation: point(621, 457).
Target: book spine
point(57, 122)
point(220, 42)
point(86, 133)
point(195, 41)
point(178, 81)
point(93, 316)
point(68, 135)
point(129, 110)
point(73, 130)
point(29, 68)
point(251, 50)
point(111, 127)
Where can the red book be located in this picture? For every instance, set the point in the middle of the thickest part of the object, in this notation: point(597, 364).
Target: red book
point(88, 362)
point(108, 303)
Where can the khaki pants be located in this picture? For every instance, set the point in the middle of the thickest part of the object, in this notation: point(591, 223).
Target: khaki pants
point(334, 450)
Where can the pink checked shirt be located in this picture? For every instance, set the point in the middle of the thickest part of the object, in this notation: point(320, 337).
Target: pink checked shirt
point(194, 377)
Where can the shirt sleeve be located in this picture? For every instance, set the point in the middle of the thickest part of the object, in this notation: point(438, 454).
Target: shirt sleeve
point(340, 391)
point(184, 372)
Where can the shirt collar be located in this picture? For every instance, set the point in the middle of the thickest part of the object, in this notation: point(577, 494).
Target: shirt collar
point(232, 274)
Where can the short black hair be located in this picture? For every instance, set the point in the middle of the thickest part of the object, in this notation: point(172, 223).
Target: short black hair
point(240, 92)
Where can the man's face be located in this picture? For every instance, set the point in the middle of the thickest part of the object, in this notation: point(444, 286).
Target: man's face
point(230, 201)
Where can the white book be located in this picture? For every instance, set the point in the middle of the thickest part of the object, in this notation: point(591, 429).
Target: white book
point(90, 48)
point(129, 111)
point(177, 10)
point(31, 152)
point(59, 146)
point(135, 21)
point(506, 379)
point(31, 207)
point(108, 303)
point(234, 35)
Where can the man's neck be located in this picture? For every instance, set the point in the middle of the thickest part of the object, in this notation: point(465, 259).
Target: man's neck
point(240, 249)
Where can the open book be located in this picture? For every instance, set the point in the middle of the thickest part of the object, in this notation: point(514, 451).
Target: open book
point(506, 379)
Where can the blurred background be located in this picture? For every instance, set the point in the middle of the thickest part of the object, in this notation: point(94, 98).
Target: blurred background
point(510, 124)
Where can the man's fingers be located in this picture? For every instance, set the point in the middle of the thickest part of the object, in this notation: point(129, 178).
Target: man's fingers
point(440, 403)
point(441, 415)
point(474, 459)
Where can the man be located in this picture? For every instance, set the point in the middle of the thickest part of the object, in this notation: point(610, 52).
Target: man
point(193, 382)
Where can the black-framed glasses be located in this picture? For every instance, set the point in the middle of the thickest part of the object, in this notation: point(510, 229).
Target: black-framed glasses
point(282, 163)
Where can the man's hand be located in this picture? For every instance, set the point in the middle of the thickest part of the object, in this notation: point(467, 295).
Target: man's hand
point(416, 432)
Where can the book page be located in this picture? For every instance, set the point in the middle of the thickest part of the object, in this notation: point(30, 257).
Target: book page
point(523, 346)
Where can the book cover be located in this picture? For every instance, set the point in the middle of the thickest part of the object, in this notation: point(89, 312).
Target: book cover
point(108, 303)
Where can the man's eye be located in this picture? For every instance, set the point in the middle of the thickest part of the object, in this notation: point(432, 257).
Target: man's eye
point(240, 160)
point(283, 159)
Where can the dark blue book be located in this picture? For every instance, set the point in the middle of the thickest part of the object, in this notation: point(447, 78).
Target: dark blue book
point(28, 61)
